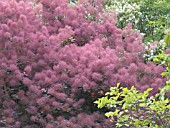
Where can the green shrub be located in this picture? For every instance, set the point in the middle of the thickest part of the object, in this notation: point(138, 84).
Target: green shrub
point(135, 109)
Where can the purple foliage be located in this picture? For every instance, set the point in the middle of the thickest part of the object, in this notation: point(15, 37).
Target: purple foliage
point(56, 59)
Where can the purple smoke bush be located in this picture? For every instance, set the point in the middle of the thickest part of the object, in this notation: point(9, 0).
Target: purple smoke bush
point(57, 59)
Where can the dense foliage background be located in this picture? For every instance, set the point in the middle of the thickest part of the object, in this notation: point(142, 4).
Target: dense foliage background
point(150, 17)
point(57, 58)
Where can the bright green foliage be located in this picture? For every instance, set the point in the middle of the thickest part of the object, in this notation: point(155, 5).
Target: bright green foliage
point(135, 109)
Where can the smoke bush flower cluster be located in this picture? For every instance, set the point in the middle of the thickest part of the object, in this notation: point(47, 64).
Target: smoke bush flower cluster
point(55, 61)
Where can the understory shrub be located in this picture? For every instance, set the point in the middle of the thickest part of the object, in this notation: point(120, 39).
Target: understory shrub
point(137, 110)
point(57, 59)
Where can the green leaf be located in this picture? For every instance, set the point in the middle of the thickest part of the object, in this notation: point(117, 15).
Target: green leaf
point(167, 39)
point(126, 90)
point(115, 113)
point(165, 73)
